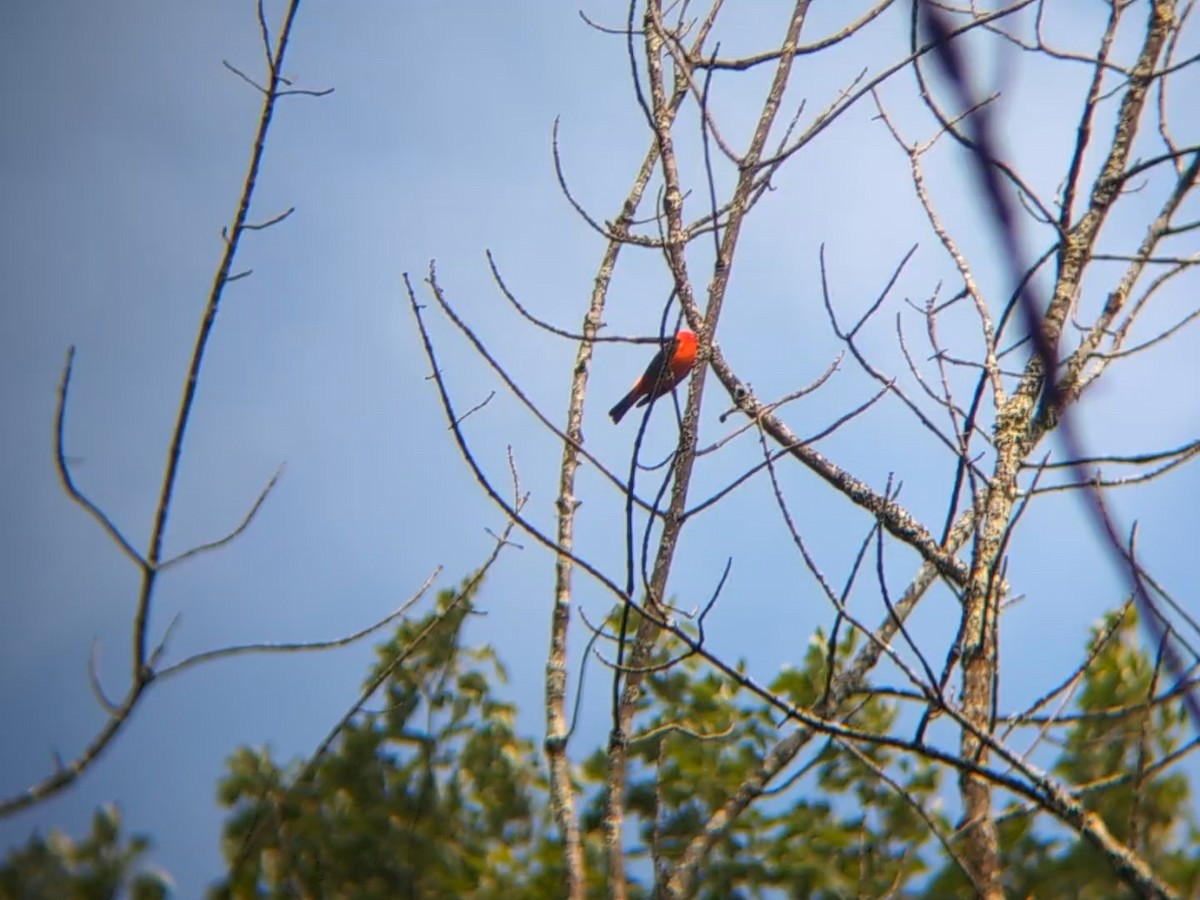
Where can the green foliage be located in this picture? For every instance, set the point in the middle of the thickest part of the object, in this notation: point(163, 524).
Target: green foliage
point(699, 739)
point(1112, 739)
point(100, 867)
point(430, 795)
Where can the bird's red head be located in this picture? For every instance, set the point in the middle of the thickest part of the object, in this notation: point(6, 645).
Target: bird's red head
point(685, 351)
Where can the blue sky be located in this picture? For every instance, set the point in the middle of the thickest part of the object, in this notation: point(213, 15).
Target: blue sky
point(125, 147)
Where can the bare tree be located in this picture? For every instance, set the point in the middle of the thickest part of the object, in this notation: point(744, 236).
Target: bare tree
point(985, 395)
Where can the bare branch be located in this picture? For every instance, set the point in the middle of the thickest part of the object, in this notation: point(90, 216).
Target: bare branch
point(143, 657)
point(68, 481)
point(241, 526)
point(301, 646)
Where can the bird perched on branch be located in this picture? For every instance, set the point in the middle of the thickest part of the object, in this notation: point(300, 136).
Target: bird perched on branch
point(669, 367)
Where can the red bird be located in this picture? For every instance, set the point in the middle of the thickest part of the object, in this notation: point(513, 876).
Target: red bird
point(669, 367)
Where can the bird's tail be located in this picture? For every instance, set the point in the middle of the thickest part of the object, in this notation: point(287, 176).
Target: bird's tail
point(623, 406)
